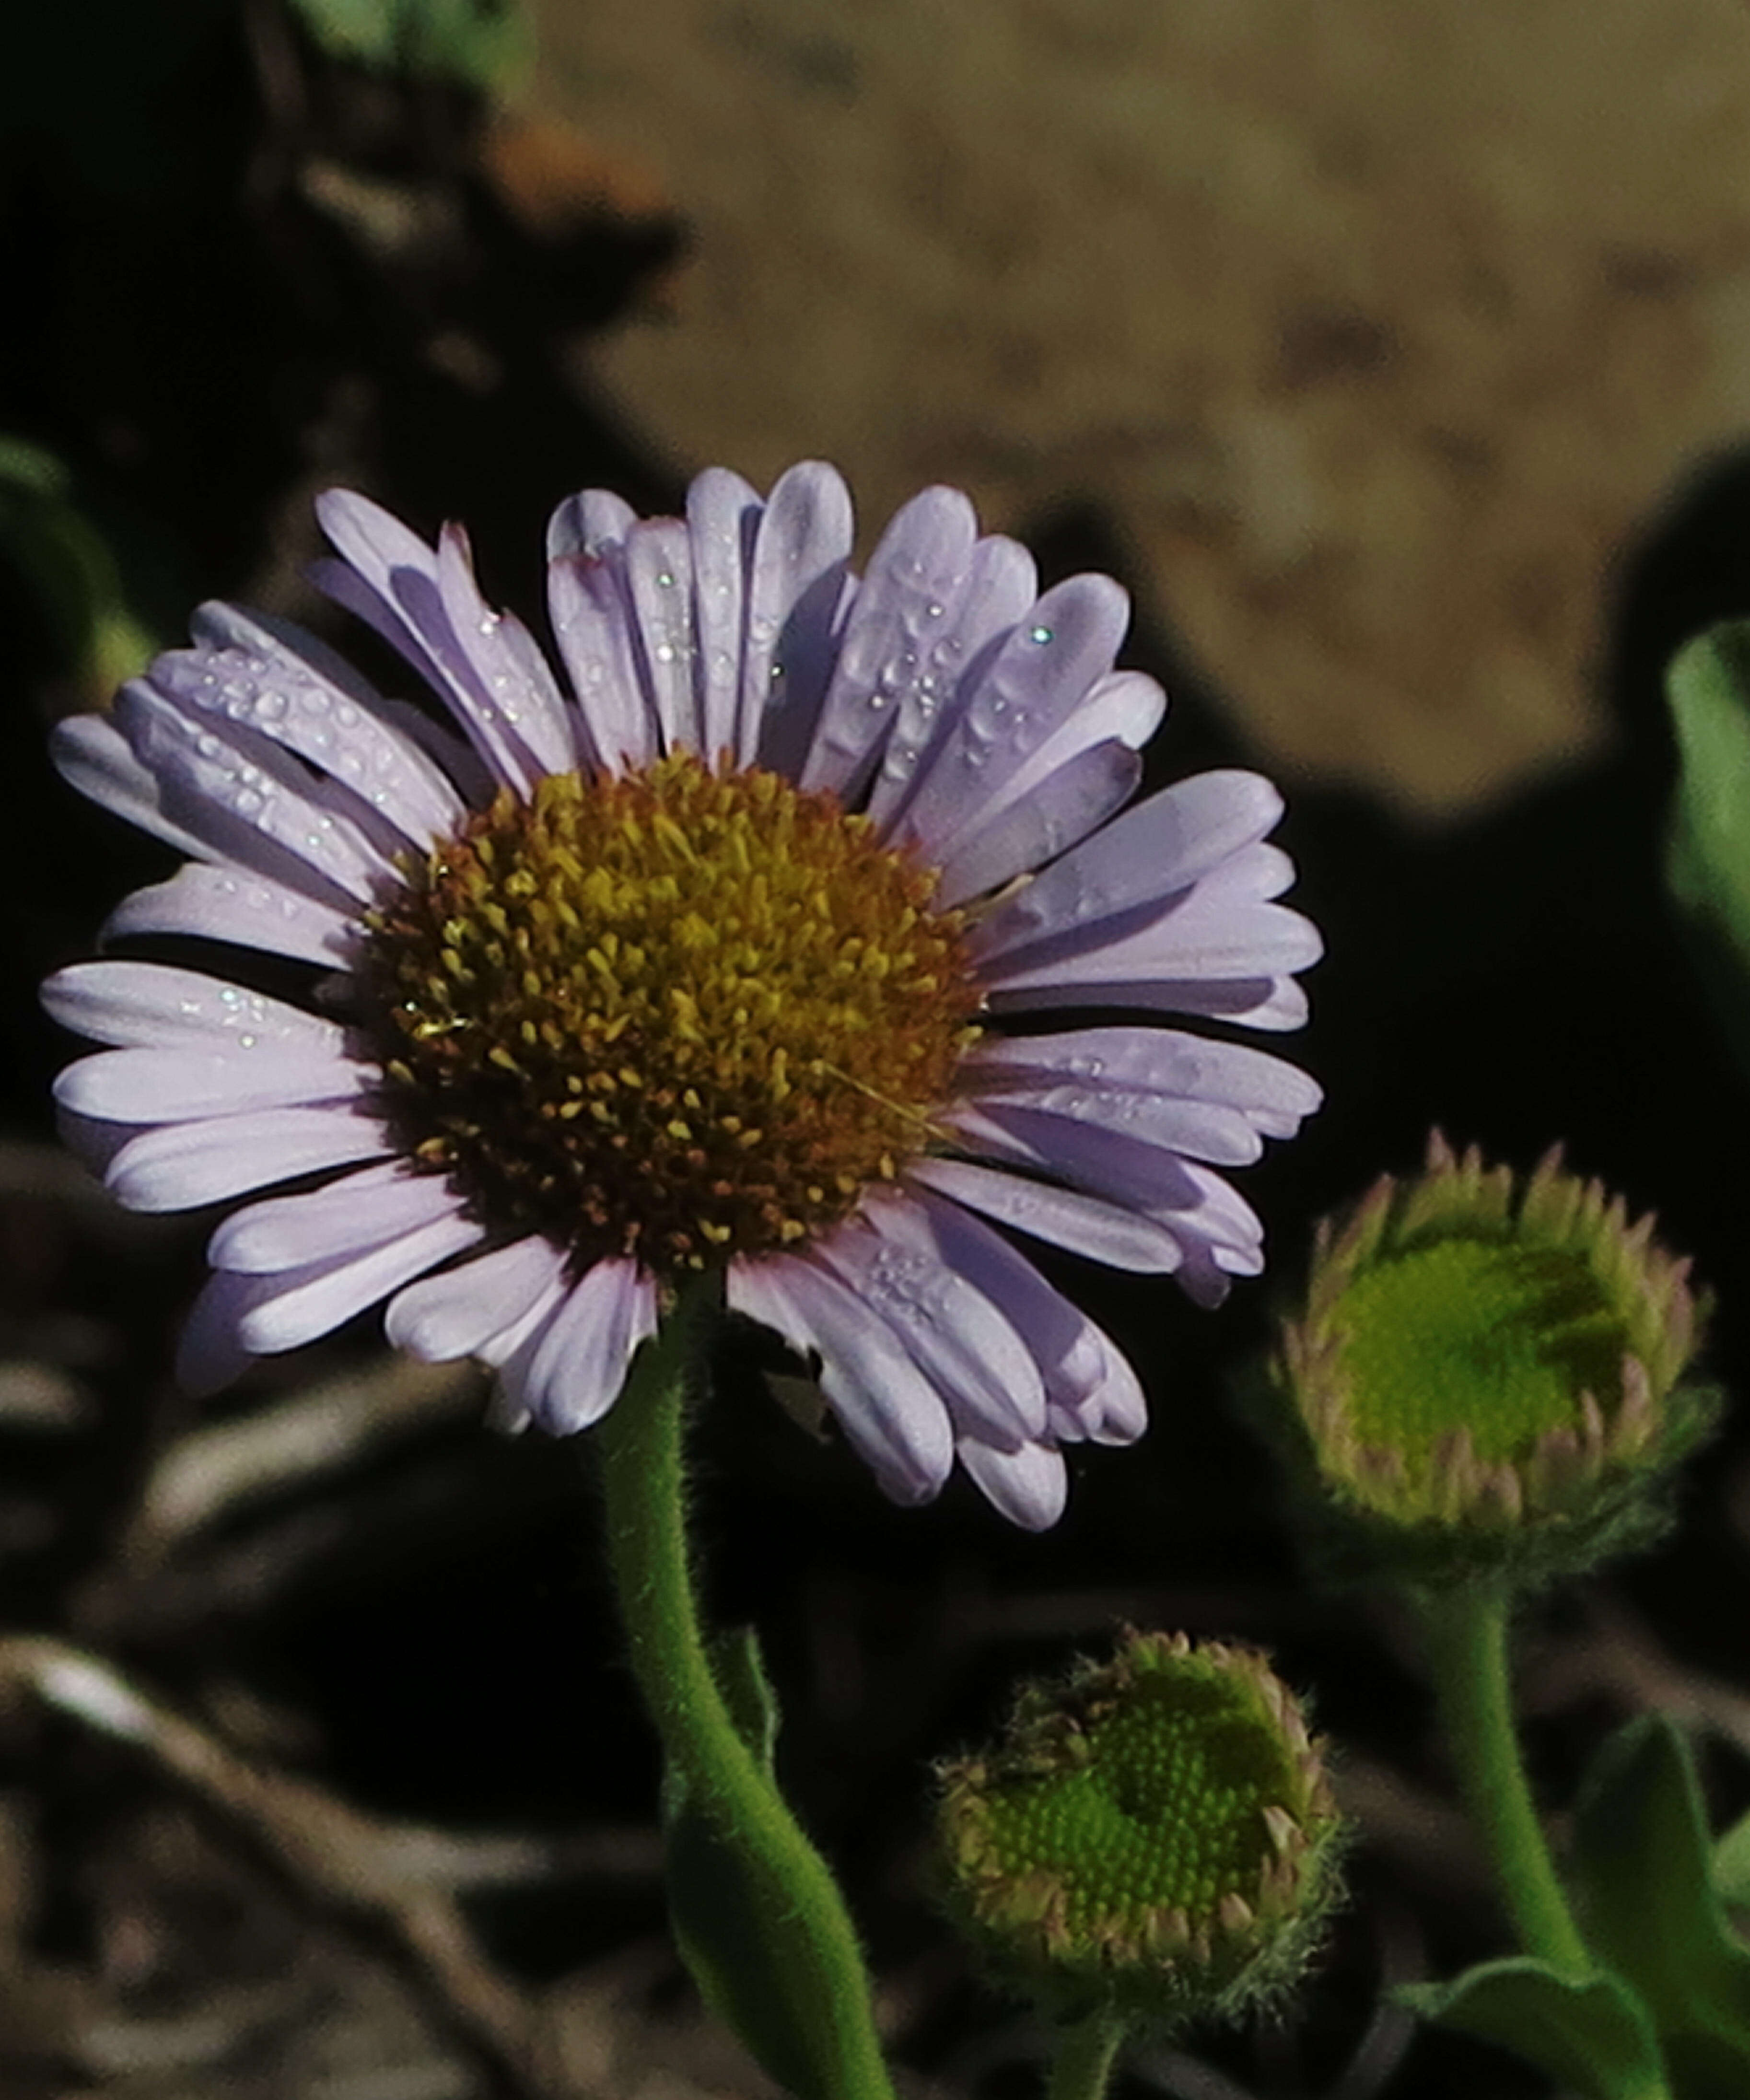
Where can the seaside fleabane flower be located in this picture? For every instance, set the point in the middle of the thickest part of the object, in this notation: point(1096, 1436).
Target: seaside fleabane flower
point(703, 964)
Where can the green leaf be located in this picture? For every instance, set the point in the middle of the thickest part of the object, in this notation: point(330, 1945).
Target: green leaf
point(1707, 848)
point(740, 1670)
point(1642, 1871)
point(718, 1907)
point(1591, 2034)
point(481, 41)
point(67, 571)
point(1731, 1865)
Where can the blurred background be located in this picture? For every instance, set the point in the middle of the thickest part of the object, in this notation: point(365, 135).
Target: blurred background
point(1395, 354)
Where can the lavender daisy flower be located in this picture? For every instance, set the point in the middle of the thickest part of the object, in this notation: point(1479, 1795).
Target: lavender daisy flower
point(698, 965)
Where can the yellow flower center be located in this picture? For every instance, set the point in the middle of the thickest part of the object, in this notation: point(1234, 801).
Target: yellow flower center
point(683, 1013)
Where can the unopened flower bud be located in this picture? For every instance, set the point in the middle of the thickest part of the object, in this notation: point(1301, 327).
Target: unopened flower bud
point(1155, 1836)
point(1487, 1372)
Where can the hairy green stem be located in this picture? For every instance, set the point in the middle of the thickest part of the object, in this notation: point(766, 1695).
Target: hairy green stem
point(1466, 1629)
point(1082, 2064)
point(809, 1938)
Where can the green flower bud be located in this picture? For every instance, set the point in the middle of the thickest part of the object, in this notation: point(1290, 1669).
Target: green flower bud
point(1487, 1374)
point(1156, 1837)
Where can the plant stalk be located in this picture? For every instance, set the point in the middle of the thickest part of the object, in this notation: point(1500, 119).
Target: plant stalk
point(809, 1939)
point(1467, 1628)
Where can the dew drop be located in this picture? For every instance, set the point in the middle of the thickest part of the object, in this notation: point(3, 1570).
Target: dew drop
point(1039, 634)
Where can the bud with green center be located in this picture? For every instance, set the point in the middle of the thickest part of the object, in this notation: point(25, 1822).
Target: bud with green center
point(1156, 1837)
point(1488, 1374)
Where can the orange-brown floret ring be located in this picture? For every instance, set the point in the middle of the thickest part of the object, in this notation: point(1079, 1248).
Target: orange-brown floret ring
point(686, 1013)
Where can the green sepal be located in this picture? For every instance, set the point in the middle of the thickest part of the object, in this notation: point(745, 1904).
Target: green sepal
point(1642, 1866)
point(1347, 1548)
point(1591, 2034)
point(1708, 845)
point(717, 1909)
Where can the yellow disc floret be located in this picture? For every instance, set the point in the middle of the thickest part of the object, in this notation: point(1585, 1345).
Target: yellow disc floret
point(683, 1013)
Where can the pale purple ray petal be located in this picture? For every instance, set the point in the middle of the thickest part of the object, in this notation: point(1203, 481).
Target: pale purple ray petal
point(722, 517)
point(453, 756)
point(1043, 1323)
point(1083, 1223)
point(1221, 1235)
point(91, 754)
point(414, 597)
point(497, 1349)
point(153, 1005)
point(1195, 1130)
point(209, 1351)
point(316, 1300)
point(798, 591)
point(375, 549)
point(1006, 707)
point(889, 1410)
point(572, 1373)
point(94, 1144)
point(1125, 708)
point(1060, 811)
point(1276, 1003)
point(1053, 1328)
point(588, 522)
point(247, 911)
point(186, 1084)
point(1273, 1095)
point(1154, 851)
point(1029, 1486)
point(264, 812)
point(1198, 1209)
point(996, 592)
point(887, 673)
point(454, 1314)
point(501, 666)
point(1100, 1398)
point(361, 1209)
point(964, 1344)
point(590, 604)
point(186, 1164)
point(659, 576)
point(269, 678)
point(1201, 938)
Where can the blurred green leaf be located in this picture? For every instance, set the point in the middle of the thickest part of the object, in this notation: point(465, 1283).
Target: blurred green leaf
point(1642, 1865)
point(483, 42)
point(67, 572)
point(1592, 2035)
point(1731, 1864)
point(1708, 848)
